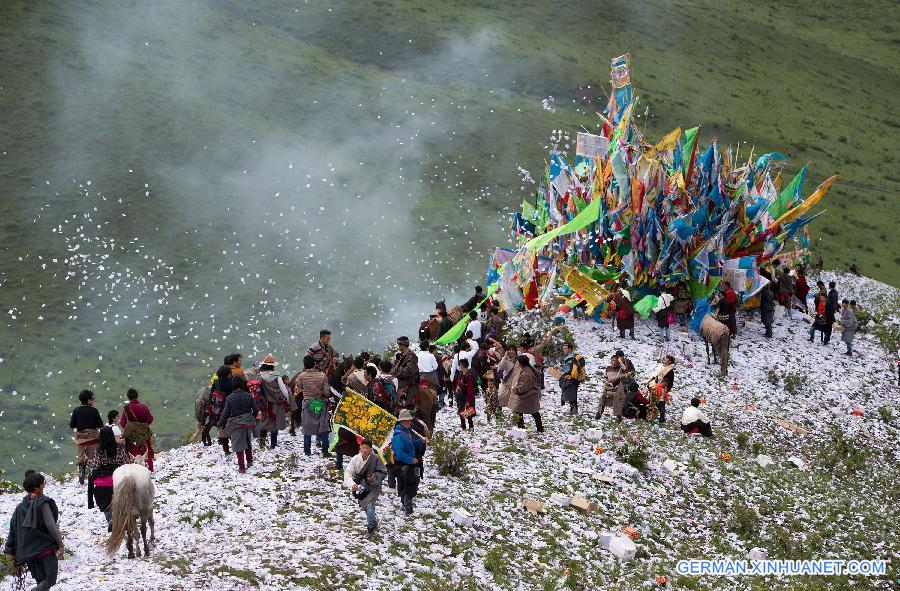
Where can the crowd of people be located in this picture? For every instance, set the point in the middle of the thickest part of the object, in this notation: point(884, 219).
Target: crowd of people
point(251, 408)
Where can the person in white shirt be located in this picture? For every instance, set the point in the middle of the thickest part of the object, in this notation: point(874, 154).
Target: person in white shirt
point(464, 351)
point(428, 364)
point(694, 421)
point(363, 477)
point(662, 310)
point(113, 418)
point(474, 325)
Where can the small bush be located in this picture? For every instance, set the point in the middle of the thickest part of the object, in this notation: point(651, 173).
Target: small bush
point(743, 521)
point(742, 439)
point(851, 453)
point(538, 326)
point(886, 415)
point(633, 453)
point(207, 516)
point(795, 383)
point(450, 454)
point(8, 486)
point(496, 563)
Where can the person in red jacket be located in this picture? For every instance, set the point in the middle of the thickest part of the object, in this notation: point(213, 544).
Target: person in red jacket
point(138, 439)
point(732, 298)
point(801, 287)
point(465, 394)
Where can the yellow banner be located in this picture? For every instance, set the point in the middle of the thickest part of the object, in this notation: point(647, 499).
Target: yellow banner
point(589, 289)
point(364, 418)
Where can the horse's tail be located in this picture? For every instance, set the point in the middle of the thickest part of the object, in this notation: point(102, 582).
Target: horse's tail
point(121, 508)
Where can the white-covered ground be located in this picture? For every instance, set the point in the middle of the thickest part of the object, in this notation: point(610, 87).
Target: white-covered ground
point(287, 524)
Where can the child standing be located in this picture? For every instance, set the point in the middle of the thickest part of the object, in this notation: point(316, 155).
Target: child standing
point(659, 387)
point(465, 394)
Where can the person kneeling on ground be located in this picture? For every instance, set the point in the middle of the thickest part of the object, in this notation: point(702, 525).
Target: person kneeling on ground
point(694, 421)
point(363, 477)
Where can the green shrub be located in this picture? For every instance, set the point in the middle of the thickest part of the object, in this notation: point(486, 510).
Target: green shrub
point(538, 326)
point(742, 439)
point(8, 486)
point(743, 521)
point(634, 453)
point(497, 563)
point(853, 454)
point(795, 383)
point(450, 454)
point(208, 516)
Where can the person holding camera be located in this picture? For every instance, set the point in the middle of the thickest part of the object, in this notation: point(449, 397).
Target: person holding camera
point(363, 477)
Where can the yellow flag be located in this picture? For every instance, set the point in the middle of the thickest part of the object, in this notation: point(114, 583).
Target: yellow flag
point(810, 201)
point(668, 142)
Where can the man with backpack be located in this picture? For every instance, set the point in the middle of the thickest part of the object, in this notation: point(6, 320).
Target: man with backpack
point(135, 421)
point(383, 388)
point(663, 311)
point(212, 400)
point(573, 374)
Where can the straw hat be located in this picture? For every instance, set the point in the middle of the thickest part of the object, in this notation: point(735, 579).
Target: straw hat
point(269, 360)
point(405, 415)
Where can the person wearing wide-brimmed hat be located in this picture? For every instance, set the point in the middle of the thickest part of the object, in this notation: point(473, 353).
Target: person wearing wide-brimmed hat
point(405, 445)
point(274, 402)
point(406, 370)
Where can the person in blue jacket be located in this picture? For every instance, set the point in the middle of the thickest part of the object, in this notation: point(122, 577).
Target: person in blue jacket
point(405, 445)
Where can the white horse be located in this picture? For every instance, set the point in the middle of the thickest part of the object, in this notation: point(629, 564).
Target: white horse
point(133, 494)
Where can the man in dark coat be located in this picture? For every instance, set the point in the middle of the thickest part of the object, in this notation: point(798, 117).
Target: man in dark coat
point(406, 370)
point(567, 383)
point(34, 539)
point(624, 311)
point(767, 308)
point(323, 353)
point(86, 421)
point(473, 301)
point(832, 307)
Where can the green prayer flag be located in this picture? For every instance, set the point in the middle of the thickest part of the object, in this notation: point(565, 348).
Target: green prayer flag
point(690, 138)
point(645, 305)
point(782, 203)
point(587, 217)
point(528, 211)
point(701, 291)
